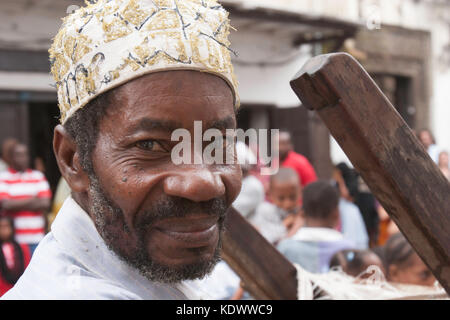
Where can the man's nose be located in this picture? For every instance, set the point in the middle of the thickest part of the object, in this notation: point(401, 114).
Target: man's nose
point(199, 184)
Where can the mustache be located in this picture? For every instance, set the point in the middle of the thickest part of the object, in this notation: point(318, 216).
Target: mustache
point(176, 207)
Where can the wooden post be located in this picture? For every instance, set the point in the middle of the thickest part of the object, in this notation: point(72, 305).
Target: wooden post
point(266, 273)
point(385, 151)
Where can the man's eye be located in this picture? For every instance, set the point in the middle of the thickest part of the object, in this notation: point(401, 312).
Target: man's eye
point(150, 145)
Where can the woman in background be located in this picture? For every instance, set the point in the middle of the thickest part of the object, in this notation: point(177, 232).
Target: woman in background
point(403, 265)
point(14, 258)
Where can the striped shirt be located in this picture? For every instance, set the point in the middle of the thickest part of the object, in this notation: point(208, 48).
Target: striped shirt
point(73, 262)
point(14, 185)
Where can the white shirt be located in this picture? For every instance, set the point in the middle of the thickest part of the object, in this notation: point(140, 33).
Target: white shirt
point(221, 284)
point(317, 234)
point(353, 227)
point(250, 197)
point(73, 262)
point(268, 219)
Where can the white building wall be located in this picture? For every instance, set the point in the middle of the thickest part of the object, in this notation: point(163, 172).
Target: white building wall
point(264, 68)
point(430, 15)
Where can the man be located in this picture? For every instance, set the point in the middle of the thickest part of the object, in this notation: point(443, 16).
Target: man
point(137, 225)
point(291, 159)
point(427, 139)
point(317, 241)
point(25, 196)
point(5, 161)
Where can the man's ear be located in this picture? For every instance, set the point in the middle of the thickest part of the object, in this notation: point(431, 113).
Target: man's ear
point(68, 160)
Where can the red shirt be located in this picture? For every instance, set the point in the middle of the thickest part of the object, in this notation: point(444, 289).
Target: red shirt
point(29, 225)
point(302, 166)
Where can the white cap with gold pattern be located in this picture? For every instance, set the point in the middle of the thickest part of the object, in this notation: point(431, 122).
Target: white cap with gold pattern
point(110, 42)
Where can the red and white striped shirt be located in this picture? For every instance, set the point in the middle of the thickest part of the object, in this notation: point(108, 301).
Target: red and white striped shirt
point(30, 225)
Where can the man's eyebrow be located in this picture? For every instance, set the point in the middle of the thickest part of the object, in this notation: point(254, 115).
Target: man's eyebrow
point(225, 123)
point(149, 124)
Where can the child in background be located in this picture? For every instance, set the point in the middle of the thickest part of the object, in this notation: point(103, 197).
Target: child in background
point(403, 265)
point(284, 194)
point(14, 258)
point(355, 262)
point(313, 245)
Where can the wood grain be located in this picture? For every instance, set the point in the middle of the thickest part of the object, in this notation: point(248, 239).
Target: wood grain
point(385, 151)
point(267, 274)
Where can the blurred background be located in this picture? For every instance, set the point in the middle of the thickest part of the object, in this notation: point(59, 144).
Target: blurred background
point(403, 44)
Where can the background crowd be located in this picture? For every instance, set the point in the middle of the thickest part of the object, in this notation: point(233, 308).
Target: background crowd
point(324, 225)
point(320, 225)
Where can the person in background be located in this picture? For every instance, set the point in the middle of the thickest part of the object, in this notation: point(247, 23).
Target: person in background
point(427, 139)
point(356, 262)
point(252, 191)
point(291, 159)
point(14, 258)
point(25, 196)
point(366, 203)
point(351, 222)
point(403, 265)
point(443, 164)
point(387, 226)
point(278, 219)
point(317, 241)
point(357, 191)
point(5, 153)
point(284, 194)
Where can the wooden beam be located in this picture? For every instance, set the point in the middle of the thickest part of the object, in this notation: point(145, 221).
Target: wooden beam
point(267, 274)
point(385, 151)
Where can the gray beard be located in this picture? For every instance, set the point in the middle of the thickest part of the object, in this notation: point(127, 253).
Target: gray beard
point(107, 214)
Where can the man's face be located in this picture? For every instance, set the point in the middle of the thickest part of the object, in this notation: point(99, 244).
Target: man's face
point(19, 157)
point(284, 144)
point(164, 219)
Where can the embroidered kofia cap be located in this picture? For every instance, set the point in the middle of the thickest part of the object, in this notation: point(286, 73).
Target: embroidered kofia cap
point(110, 42)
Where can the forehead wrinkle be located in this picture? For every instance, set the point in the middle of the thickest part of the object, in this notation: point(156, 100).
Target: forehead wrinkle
point(159, 97)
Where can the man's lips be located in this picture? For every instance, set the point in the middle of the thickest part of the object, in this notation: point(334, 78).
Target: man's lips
point(191, 231)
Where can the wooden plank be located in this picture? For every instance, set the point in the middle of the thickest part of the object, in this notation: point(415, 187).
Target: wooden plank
point(267, 274)
point(384, 151)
